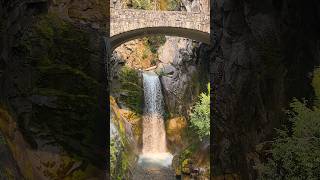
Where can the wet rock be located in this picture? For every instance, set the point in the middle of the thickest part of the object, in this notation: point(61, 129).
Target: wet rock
point(175, 129)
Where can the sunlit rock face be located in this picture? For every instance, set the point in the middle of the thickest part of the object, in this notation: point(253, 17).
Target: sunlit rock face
point(176, 129)
point(182, 66)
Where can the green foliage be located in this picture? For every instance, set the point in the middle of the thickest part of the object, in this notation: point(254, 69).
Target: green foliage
point(173, 5)
point(161, 72)
point(296, 151)
point(154, 42)
point(131, 91)
point(187, 153)
point(145, 54)
point(154, 62)
point(113, 156)
point(78, 175)
point(164, 5)
point(200, 116)
point(142, 4)
point(119, 158)
point(54, 41)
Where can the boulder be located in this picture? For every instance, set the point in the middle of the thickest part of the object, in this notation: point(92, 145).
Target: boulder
point(175, 129)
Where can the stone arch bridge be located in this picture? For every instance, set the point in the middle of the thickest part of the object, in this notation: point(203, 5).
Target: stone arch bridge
point(129, 24)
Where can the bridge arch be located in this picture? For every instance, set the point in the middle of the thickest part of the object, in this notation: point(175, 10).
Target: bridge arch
point(129, 24)
point(193, 34)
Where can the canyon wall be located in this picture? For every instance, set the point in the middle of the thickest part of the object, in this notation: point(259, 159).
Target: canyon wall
point(264, 54)
point(52, 93)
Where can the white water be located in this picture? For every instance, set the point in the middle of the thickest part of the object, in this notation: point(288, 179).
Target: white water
point(154, 148)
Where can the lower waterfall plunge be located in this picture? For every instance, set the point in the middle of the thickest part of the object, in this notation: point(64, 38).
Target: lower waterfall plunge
point(154, 149)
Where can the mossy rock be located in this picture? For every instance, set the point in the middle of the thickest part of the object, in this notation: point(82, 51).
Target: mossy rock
point(185, 166)
point(131, 89)
point(67, 79)
point(70, 120)
point(127, 155)
point(77, 106)
point(136, 121)
point(54, 41)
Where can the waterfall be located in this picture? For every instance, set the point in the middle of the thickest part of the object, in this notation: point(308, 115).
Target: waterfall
point(154, 135)
point(154, 148)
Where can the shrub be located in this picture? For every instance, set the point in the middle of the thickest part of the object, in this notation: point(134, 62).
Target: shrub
point(145, 54)
point(295, 153)
point(131, 89)
point(154, 42)
point(142, 4)
point(154, 62)
point(113, 156)
point(200, 116)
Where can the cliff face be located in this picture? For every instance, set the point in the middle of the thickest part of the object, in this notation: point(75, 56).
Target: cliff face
point(266, 54)
point(52, 94)
point(181, 64)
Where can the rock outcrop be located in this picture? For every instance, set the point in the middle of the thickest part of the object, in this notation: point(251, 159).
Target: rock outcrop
point(175, 132)
point(181, 71)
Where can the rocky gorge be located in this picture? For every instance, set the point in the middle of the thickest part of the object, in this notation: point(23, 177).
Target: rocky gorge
point(179, 68)
point(53, 87)
point(181, 65)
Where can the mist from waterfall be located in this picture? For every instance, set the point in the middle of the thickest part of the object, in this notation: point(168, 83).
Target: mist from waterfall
point(154, 148)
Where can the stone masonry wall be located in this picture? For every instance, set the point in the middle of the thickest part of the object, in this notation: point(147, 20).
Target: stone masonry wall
point(123, 20)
